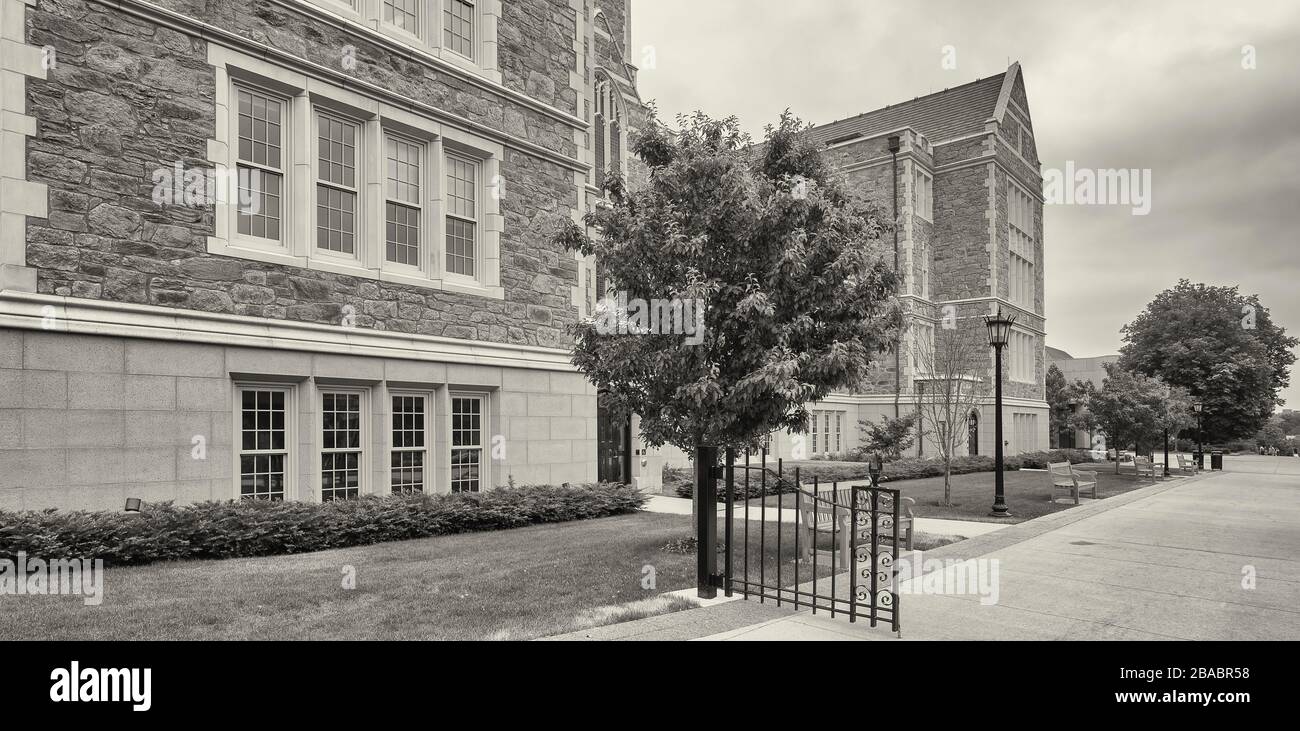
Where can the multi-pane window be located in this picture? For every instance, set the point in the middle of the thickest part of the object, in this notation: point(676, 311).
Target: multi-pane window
point(263, 444)
point(1021, 283)
point(924, 184)
point(403, 210)
point(825, 430)
point(1022, 359)
point(336, 184)
point(404, 14)
point(1024, 432)
point(458, 26)
point(462, 216)
point(409, 453)
point(260, 165)
point(922, 347)
point(341, 450)
point(466, 443)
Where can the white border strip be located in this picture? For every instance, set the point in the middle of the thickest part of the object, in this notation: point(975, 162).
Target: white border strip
point(52, 313)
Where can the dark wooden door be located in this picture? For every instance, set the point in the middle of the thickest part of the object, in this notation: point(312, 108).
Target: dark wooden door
point(613, 447)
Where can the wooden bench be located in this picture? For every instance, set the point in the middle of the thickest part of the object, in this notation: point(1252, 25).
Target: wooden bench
point(1144, 466)
point(1065, 477)
point(818, 514)
point(1187, 465)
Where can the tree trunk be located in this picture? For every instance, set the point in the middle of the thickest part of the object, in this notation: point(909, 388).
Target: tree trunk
point(947, 487)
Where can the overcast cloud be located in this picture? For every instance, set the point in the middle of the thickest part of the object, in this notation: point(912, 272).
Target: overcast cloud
point(1156, 85)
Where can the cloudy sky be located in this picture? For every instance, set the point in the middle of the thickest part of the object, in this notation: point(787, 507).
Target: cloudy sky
point(1157, 85)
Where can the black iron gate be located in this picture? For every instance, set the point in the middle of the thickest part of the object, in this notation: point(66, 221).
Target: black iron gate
point(829, 549)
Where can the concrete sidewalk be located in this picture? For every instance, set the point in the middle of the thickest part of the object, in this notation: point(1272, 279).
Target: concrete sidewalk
point(1171, 561)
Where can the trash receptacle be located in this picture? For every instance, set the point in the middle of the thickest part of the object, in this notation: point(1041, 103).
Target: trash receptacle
point(1216, 460)
point(1199, 457)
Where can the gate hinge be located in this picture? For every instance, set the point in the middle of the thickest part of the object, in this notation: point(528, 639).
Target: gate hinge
point(718, 581)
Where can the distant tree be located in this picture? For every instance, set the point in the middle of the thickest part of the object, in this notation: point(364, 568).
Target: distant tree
point(949, 366)
point(784, 267)
point(1222, 346)
point(1272, 435)
point(1063, 402)
point(888, 437)
point(1134, 409)
point(1289, 422)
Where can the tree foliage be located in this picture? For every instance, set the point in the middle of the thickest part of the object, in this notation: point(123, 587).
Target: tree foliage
point(797, 290)
point(1220, 345)
point(1135, 409)
point(1062, 400)
point(888, 437)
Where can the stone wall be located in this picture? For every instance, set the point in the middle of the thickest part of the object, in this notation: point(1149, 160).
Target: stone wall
point(129, 96)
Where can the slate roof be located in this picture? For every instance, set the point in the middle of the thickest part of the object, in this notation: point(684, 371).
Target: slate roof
point(944, 115)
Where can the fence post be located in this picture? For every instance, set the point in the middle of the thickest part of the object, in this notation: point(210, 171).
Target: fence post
point(706, 521)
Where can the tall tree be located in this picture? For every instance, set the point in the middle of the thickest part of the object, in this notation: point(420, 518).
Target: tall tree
point(794, 287)
point(949, 365)
point(1222, 346)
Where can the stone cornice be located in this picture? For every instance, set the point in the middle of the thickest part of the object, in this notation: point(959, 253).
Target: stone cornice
point(52, 313)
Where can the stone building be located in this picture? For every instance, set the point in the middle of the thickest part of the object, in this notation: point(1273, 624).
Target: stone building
point(299, 249)
point(959, 171)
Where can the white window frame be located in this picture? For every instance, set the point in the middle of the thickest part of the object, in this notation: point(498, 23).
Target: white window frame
point(1022, 356)
point(430, 426)
point(822, 422)
point(1021, 241)
point(477, 190)
point(922, 332)
point(364, 436)
point(305, 98)
point(490, 188)
point(484, 481)
point(281, 244)
point(358, 254)
point(924, 185)
point(424, 206)
point(369, 15)
point(425, 26)
point(290, 435)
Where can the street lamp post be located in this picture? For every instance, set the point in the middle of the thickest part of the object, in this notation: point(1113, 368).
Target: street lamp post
point(999, 333)
point(1198, 407)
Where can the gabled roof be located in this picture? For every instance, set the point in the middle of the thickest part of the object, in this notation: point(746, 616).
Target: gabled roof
point(944, 115)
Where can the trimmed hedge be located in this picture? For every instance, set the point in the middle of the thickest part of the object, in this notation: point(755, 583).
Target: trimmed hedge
point(241, 529)
point(906, 468)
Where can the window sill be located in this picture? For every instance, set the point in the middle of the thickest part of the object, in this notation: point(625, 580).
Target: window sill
point(477, 290)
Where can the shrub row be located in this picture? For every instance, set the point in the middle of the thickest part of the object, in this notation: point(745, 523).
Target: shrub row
point(906, 468)
point(164, 532)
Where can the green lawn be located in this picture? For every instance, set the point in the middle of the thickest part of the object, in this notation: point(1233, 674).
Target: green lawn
point(514, 584)
point(1026, 491)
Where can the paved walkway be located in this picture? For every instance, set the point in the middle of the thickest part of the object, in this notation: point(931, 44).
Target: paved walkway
point(933, 526)
point(1212, 557)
